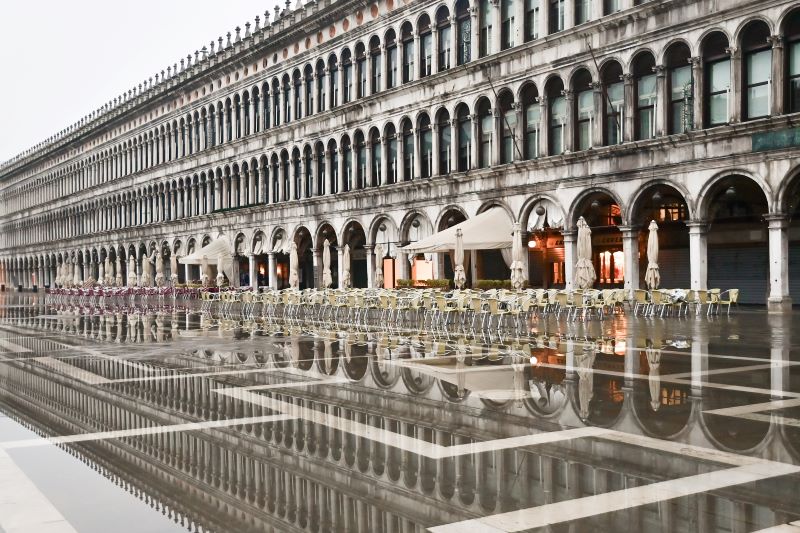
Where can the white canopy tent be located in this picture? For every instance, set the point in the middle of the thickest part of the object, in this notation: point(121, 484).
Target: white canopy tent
point(490, 230)
point(213, 252)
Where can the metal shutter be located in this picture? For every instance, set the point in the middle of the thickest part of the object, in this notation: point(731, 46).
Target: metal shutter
point(674, 267)
point(794, 271)
point(745, 268)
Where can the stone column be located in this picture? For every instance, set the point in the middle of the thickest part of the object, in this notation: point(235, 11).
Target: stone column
point(317, 262)
point(251, 257)
point(597, 114)
point(328, 172)
point(435, 163)
point(453, 41)
point(519, 132)
point(779, 299)
point(473, 146)
point(369, 249)
point(384, 67)
point(281, 182)
point(544, 19)
point(697, 92)
point(340, 178)
point(273, 271)
point(569, 13)
point(292, 181)
point(476, 33)
point(735, 94)
point(339, 100)
point(453, 145)
point(493, 47)
point(544, 129)
point(366, 179)
point(662, 98)
point(698, 254)
point(570, 238)
point(569, 123)
point(497, 137)
point(340, 264)
point(628, 108)
point(186, 275)
point(778, 80)
point(630, 249)
point(434, 48)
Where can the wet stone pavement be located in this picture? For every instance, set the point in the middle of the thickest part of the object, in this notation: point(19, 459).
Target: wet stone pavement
point(168, 419)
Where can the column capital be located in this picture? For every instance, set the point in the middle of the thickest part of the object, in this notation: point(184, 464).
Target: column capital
point(570, 235)
point(629, 229)
point(626, 78)
point(777, 220)
point(696, 226)
point(733, 51)
point(660, 70)
point(775, 40)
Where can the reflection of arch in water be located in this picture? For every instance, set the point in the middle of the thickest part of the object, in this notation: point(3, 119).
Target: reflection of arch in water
point(657, 418)
point(731, 433)
point(546, 392)
point(356, 360)
point(417, 382)
point(385, 375)
point(604, 398)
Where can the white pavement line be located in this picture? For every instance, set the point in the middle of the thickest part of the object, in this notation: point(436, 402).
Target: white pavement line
point(754, 408)
point(404, 442)
point(74, 372)
point(771, 419)
point(23, 508)
point(738, 388)
point(300, 384)
point(579, 508)
point(138, 432)
point(733, 370)
point(8, 346)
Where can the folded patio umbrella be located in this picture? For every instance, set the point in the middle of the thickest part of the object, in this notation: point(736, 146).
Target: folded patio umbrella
point(327, 280)
point(652, 276)
point(346, 282)
point(460, 277)
point(294, 275)
point(378, 266)
point(517, 272)
point(584, 269)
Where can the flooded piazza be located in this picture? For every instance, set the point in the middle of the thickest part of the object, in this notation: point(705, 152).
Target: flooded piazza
point(167, 418)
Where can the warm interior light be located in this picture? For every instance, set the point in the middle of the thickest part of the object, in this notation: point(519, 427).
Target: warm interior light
point(279, 270)
point(534, 361)
point(262, 270)
point(532, 243)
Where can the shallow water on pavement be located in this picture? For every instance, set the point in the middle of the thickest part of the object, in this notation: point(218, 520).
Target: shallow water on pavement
point(166, 419)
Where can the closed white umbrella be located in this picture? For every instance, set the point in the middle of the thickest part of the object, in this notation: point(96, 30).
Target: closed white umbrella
point(118, 281)
point(147, 276)
point(327, 280)
point(584, 269)
point(346, 281)
point(220, 271)
point(76, 276)
point(459, 276)
point(159, 262)
point(294, 274)
point(173, 268)
point(131, 271)
point(109, 272)
point(378, 266)
point(205, 272)
point(652, 277)
point(517, 271)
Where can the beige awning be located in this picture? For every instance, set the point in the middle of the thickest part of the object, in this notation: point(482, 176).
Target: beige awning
point(490, 230)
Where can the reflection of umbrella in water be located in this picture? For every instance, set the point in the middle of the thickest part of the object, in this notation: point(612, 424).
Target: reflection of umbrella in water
point(584, 269)
point(652, 277)
point(654, 376)
point(461, 375)
point(327, 357)
point(584, 364)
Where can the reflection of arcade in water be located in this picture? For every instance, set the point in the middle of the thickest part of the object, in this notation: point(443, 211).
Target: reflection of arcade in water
point(334, 431)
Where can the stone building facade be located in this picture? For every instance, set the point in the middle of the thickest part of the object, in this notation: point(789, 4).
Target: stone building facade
point(380, 123)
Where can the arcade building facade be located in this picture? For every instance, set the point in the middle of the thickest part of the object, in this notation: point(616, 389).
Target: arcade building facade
point(383, 122)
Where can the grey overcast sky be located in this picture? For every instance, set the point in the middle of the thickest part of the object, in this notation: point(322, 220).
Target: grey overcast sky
point(61, 59)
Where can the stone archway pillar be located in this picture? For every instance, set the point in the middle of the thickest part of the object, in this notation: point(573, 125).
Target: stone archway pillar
point(698, 255)
point(273, 271)
point(570, 238)
point(630, 249)
point(252, 276)
point(369, 249)
point(779, 299)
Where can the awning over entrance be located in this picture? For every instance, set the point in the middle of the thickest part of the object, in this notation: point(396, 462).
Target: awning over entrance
point(216, 250)
point(490, 230)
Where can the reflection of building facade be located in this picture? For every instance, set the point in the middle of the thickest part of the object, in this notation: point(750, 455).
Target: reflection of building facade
point(384, 123)
point(250, 471)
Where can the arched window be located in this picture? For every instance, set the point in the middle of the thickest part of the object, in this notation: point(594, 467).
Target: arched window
point(757, 76)
point(320, 152)
point(531, 20)
point(377, 166)
point(347, 154)
point(425, 46)
point(391, 60)
point(298, 95)
point(557, 111)
point(375, 53)
point(507, 24)
point(464, 35)
point(322, 86)
point(464, 137)
point(485, 132)
point(508, 127)
point(485, 23)
point(532, 114)
point(613, 104)
point(391, 153)
point(408, 151)
point(717, 83)
point(334, 177)
point(791, 30)
point(297, 174)
point(425, 145)
point(256, 110)
point(645, 97)
point(308, 75)
point(445, 142)
point(361, 160)
point(407, 37)
point(286, 174)
point(361, 71)
point(308, 164)
point(680, 88)
point(347, 65)
point(556, 15)
point(443, 26)
point(333, 75)
point(584, 109)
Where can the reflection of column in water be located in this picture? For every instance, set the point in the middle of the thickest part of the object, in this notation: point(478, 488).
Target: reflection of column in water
point(699, 354)
point(780, 337)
